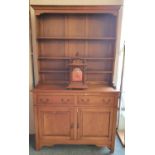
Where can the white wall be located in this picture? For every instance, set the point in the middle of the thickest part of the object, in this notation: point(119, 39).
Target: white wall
point(65, 2)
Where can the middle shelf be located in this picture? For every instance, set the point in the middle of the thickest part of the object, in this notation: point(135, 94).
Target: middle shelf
point(87, 71)
point(68, 58)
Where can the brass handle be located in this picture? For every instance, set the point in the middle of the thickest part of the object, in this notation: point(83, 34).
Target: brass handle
point(45, 100)
point(62, 100)
point(72, 126)
point(108, 101)
point(87, 100)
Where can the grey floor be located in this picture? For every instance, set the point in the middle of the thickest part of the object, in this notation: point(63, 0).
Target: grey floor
point(76, 149)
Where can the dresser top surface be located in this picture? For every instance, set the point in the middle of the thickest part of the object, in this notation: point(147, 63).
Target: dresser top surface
point(63, 88)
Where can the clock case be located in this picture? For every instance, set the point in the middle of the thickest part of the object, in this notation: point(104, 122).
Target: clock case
point(77, 67)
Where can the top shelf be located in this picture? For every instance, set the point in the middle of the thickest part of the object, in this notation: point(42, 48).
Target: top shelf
point(75, 38)
point(68, 58)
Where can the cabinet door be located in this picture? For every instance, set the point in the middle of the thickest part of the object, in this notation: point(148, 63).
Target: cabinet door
point(95, 123)
point(56, 123)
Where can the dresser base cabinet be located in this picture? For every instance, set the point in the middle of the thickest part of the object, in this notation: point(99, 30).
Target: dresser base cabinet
point(75, 117)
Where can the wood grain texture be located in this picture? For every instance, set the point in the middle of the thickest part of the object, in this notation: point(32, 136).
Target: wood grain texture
point(56, 123)
point(65, 116)
point(95, 124)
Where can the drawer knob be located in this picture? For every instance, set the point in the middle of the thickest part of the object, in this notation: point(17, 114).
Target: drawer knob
point(106, 101)
point(72, 126)
point(62, 100)
point(87, 100)
point(103, 100)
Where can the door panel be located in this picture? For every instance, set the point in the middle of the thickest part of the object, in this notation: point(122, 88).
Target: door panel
point(95, 123)
point(56, 122)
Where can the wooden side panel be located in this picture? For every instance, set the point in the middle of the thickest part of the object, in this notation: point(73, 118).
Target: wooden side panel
point(103, 65)
point(105, 78)
point(52, 25)
point(100, 49)
point(95, 123)
point(101, 25)
point(49, 48)
point(54, 77)
point(56, 123)
point(75, 46)
point(76, 25)
point(53, 65)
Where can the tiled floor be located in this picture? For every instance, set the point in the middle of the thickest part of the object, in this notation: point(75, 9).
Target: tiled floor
point(76, 149)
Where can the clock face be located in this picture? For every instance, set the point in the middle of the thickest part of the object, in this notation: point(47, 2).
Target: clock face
point(77, 75)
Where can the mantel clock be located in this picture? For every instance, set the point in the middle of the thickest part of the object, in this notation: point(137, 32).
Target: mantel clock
point(77, 67)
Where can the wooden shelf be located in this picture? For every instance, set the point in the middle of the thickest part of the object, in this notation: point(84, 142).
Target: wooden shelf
point(53, 71)
point(99, 58)
point(53, 58)
point(68, 58)
point(56, 82)
point(87, 72)
point(99, 72)
point(75, 38)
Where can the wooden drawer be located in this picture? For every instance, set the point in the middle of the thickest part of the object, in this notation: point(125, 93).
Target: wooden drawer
point(55, 99)
point(91, 100)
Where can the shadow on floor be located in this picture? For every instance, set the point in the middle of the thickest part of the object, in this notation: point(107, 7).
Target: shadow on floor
point(75, 149)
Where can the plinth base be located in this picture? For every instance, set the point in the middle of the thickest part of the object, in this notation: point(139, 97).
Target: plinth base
point(76, 85)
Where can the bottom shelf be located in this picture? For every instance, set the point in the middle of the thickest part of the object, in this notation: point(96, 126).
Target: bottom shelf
point(66, 82)
point(63, 87)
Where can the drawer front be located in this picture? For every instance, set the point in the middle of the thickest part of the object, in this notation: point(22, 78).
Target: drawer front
point(91, 100)
point(55, 99)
